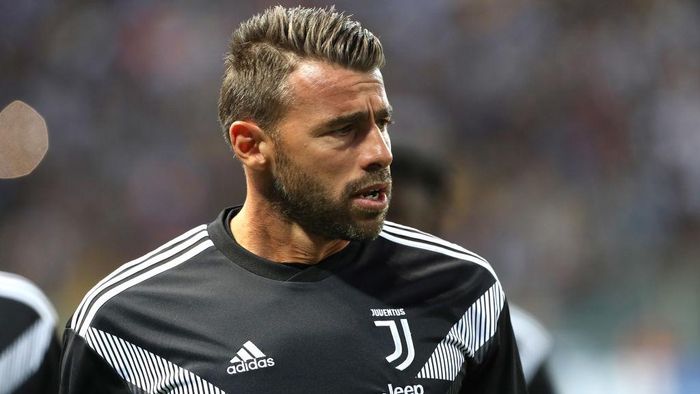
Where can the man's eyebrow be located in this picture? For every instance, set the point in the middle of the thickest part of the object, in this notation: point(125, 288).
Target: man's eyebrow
point(356, 117)
point(384, 113)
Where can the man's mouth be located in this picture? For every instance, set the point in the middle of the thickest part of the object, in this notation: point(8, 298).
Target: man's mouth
point(376, 192)
point(372, 194)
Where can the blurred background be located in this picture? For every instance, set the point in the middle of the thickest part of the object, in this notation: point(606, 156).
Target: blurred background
point(570, 131)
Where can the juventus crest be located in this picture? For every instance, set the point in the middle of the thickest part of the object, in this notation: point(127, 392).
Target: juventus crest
point(403, 355)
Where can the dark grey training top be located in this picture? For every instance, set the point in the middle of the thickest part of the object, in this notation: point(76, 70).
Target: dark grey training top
point(405, 313)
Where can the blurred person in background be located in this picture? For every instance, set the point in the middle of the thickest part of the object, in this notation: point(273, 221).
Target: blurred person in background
point(29, 347)
point(304, 288)
point(422, 194)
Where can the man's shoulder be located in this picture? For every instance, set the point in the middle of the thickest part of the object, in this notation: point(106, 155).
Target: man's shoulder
point(115, 290)
point(430, 268)
point(423, 245)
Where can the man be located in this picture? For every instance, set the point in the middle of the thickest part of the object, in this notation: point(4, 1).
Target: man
point(423, 187)
point(29, 348)
point(304, 288)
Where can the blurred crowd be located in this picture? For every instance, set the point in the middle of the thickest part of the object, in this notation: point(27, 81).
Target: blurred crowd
point(571, 130)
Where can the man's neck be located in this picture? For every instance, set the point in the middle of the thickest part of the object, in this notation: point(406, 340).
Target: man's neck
point(265, 233)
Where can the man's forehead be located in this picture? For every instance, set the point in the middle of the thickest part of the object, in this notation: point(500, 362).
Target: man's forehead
point(313, 78)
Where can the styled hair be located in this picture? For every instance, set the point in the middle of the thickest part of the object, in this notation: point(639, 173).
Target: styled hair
point(266, 48)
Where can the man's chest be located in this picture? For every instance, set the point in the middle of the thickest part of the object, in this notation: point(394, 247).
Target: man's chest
point(301, 342)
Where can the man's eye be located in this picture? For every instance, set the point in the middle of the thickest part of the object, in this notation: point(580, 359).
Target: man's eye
point(345, 130)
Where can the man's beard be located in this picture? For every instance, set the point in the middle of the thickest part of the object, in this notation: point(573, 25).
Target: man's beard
point(303, 200)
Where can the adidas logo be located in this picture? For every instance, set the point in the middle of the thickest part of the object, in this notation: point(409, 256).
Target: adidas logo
point(249, 358)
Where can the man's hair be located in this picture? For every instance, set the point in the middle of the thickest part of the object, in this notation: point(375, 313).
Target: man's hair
point(266, 48)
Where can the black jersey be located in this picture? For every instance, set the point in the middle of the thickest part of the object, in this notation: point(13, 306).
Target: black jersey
point(405, 313)
point(29, 350)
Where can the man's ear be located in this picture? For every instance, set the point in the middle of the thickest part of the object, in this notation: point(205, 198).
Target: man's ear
point(249, 143)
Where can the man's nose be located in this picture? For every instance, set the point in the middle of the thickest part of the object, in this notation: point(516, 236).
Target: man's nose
point(376, 150)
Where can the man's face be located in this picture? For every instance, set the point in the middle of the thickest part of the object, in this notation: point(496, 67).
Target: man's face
point(332, 152)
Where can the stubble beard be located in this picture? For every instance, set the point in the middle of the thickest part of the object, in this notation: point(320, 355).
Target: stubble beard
point(301, 199)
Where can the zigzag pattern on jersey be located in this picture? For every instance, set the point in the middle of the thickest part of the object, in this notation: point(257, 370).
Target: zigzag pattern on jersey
point(418, 239)
point(466, 337)
point(147, 371)
point(170, 255)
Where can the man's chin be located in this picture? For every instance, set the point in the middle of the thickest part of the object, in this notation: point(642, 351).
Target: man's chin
point(366, 228)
